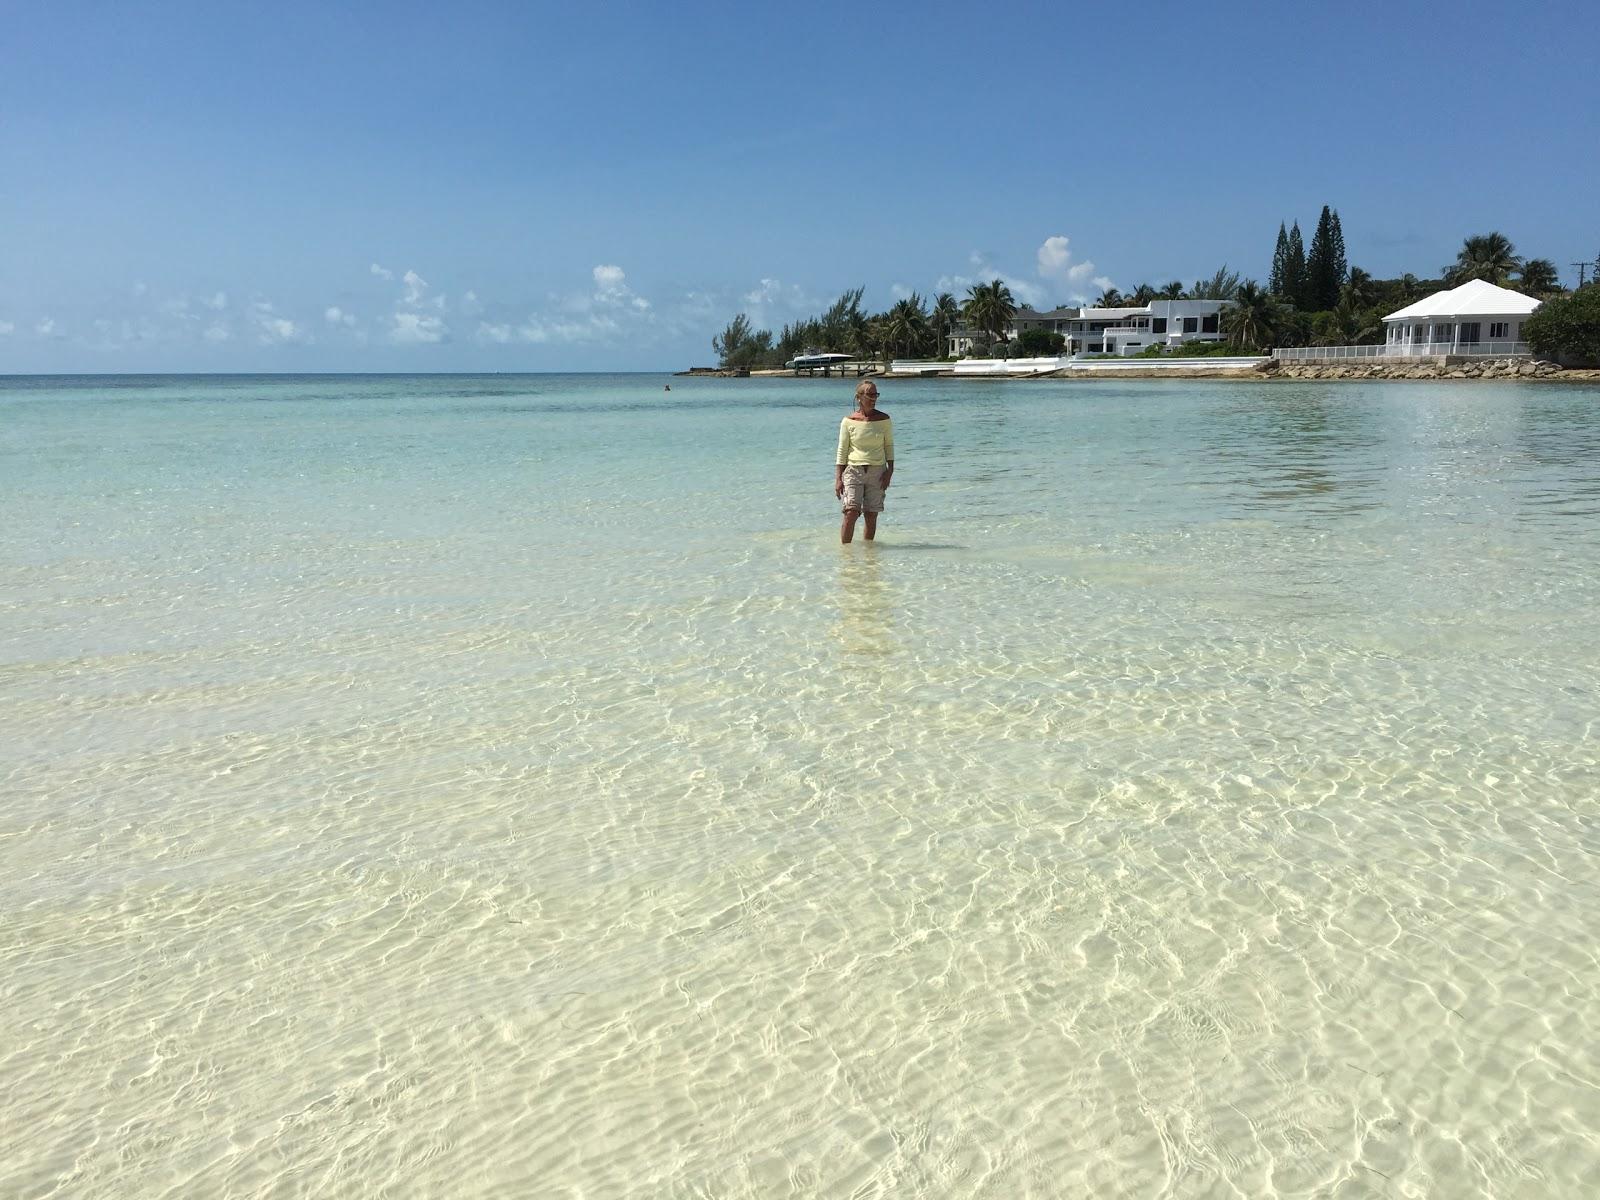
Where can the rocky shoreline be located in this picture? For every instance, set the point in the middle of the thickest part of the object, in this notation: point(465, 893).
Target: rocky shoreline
point(1520, 369)
point(1491, 368)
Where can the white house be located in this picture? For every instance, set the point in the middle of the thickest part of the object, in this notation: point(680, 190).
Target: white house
point(1475, 318)
point(1121, 331)
point(1125, 331)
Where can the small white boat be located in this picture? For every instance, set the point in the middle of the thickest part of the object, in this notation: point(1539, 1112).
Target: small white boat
point(801, 362)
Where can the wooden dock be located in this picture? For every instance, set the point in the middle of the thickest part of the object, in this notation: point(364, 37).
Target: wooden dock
point(856, 366)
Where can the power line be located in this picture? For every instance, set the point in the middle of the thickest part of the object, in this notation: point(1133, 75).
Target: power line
point(1584, 266)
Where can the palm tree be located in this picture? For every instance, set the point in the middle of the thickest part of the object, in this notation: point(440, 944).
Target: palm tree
point(990, 307)
point(905, 324)
point(1538, 277)
point(946, 312)
point(1254, 319)
point(1110, 298)
point(1487, 256)
point(1347, 325)
point(867, 336)
point(1220, 286)
point(1144, 293)
point(1357, 289)
point(1173, 291)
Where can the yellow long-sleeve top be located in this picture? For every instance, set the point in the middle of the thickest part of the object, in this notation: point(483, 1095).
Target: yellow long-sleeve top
point(865, 443)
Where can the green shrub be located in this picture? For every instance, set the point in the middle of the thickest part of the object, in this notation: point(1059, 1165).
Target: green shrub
point(1205, 350)
point(1567, 328)
point(1035, 343)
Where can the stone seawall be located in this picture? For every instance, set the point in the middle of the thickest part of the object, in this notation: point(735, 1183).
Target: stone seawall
point(1488, 368)
point(1532, 370)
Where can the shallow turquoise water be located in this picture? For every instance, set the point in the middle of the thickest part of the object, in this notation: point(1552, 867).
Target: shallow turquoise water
point(482, 784)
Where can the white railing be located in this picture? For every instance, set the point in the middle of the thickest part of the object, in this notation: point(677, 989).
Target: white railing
point(1403, 350)
point(993, 367)
point(1167, 362)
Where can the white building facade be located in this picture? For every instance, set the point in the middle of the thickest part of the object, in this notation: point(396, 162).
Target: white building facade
point(1118, 331)
point(1475, 318)
point(1164, 323)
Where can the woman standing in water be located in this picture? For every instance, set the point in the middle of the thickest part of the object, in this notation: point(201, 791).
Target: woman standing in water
point(865, 461)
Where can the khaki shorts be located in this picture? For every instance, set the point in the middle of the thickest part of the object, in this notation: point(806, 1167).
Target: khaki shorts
point(863, 489)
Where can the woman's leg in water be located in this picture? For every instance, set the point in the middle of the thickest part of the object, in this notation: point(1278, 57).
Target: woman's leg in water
point(847, 527)
point(872, 525)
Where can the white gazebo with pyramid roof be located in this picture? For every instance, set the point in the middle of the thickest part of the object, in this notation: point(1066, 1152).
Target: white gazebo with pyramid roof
point(1475, 318)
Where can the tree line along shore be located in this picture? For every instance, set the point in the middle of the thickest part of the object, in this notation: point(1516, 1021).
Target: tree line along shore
point(1312, 297)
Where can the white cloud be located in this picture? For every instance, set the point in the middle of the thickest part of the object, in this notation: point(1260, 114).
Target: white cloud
point(416, 288)
point(334, 315)
point(764, 292)
point(45, 327)
point(1024, 290)
point(382, 272)
point(6, 328)
point(541, 330)
point(417, 329)
point(217, 302)
point(611, 312)
point(1055, 263)
point(217, 333)
point(611, 288)
point(899, 291)
point(1065, 278)
point(1102, 282)
point(270, 328)
point(771, 303)
point(139, 289)
point(276, 331)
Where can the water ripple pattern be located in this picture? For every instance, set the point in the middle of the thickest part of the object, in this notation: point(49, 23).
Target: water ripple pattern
point(496, 786)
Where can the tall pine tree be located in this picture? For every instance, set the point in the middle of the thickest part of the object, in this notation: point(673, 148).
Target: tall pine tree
point(1341, 267)
point(1294, 269)
point(1325, 266)
point(1280, 262)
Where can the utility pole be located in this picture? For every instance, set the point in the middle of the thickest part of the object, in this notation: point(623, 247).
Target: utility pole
point(1582, 267)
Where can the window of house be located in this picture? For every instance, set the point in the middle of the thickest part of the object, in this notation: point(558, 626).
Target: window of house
point(1444, 333)
point(1209, 324)
point(1191, 324)
point(1469, 331)
point(1158, 324)
point(1499, 331)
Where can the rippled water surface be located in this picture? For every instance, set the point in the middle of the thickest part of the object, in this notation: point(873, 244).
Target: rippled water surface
point(508, 786)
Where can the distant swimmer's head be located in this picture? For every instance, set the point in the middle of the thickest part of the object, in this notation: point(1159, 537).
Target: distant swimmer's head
point(866, 396)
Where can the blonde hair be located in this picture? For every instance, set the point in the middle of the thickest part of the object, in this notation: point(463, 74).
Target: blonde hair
point(861, 389)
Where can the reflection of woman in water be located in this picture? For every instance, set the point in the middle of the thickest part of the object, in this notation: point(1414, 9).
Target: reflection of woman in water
point(865, 462)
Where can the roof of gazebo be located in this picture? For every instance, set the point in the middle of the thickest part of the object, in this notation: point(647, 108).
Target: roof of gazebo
point(1475, 298)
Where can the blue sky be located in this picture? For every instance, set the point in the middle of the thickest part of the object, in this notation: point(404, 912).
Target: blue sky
point(497, 186)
